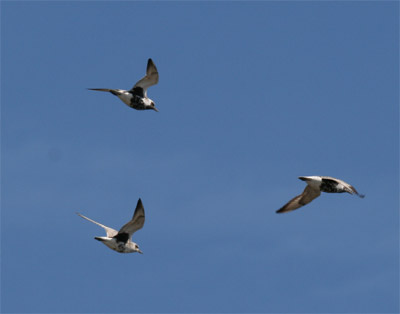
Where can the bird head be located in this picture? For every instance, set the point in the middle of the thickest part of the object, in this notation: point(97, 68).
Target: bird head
point(136, 248)
point(153, 106)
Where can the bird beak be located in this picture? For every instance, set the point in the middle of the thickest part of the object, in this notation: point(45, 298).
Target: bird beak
point(155, 109)
point(139, 251)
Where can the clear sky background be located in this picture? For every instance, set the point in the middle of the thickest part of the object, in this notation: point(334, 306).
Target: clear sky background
point(251, 96)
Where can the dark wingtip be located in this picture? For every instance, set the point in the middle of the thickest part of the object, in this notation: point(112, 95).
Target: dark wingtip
point(361, 195)
point(150, 62)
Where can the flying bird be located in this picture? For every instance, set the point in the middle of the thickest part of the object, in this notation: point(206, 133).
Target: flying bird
point(316, 185)
point(136, 97)
point(120, 241)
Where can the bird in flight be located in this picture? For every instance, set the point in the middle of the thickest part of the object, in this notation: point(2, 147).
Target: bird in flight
point(120, 241)
point(136, 97)
point(316, 185)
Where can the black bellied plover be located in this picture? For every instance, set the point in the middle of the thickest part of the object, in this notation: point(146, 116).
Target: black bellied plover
point(120, 241)
point(136, 97)
point(316, 185)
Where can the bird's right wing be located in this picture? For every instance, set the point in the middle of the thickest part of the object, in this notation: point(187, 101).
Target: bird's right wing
point(150, 79)
point(304, 198)
point(137, 221)
point(109, 231)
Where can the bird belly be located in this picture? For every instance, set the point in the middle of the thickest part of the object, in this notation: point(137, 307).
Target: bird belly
point(140, 103)
point(329, 187)
point(119, 247)
point(123, 249)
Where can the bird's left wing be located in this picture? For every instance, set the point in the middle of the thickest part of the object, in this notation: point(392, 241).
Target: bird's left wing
point(109, 231)
point(300, 200)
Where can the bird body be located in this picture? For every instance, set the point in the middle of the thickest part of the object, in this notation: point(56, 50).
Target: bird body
point(119, 246)
point(120, 241)
point(316, 185)
point(136, 97)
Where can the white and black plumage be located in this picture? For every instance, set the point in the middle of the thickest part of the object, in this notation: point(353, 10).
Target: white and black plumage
point(316, 185)
point(136, 97)
point(120, 241)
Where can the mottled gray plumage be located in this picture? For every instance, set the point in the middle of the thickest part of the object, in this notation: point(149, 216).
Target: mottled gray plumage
point(120, 241)
point(316, 185)
point(136, 97)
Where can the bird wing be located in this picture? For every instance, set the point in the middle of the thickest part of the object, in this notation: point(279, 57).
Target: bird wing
point(109, 231)
point(151, 78)
point(137, 221)
point(348, 187)
point(101, 89)
point(304, 198)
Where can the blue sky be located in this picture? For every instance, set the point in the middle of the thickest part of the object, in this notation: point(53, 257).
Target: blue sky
point(251, 96)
